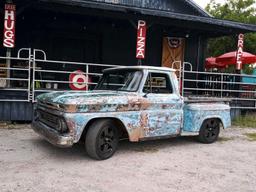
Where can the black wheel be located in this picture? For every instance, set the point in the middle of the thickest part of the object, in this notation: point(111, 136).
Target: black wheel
point(101, 140)
point(209, 131)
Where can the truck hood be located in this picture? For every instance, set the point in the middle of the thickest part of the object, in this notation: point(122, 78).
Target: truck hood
point(91, 101)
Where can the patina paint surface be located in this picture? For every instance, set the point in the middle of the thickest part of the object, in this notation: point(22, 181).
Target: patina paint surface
point(196, 114)
point(139, 124)
point(144, 117)
point(96, 101)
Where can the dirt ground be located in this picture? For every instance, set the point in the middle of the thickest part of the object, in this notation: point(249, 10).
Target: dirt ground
point(28, 163)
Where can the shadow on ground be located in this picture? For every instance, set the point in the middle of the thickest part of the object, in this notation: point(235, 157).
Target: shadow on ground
point(77, 152)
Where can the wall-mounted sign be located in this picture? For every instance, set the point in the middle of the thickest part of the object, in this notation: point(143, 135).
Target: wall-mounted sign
point(9, 26)
point(141, 39)
point(79, 81)
point(174, 42)
point(239, 55)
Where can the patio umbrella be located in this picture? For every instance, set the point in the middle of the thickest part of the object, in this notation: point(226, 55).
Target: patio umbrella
point(211, 63)
point(230, 58)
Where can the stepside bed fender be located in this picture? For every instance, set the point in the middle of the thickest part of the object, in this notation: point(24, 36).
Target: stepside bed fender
point(196, 114)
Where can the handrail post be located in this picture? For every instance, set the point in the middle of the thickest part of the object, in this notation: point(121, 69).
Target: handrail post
point(221, 92)
point(40, 51)
point(87, 76)
point(183, 79)
point(29, 71)
point(33, 75)
point(22, 50)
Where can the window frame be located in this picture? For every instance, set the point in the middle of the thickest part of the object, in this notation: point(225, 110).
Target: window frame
point(168, 80)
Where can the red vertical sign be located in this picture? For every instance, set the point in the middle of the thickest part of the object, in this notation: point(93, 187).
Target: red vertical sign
point(141, 39)
point(9, 26)
point(239, 54)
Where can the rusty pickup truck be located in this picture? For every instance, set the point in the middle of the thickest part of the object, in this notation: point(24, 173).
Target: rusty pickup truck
point(138, 103)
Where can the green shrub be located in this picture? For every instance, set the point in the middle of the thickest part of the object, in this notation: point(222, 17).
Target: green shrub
point(246, 121)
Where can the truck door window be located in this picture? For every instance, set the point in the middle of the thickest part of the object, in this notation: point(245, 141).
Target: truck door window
point(158, 83)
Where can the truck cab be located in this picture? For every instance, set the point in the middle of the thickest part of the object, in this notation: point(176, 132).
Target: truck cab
point(140, 103)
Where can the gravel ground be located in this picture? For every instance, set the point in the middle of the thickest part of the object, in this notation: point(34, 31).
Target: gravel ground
point(28, 163)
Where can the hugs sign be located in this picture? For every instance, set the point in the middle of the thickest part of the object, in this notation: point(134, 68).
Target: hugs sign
point(9, 26)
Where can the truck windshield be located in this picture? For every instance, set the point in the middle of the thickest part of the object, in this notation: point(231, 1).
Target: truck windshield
point(120, 80)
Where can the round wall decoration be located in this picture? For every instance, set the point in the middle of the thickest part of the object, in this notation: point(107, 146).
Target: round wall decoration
point(78, 80)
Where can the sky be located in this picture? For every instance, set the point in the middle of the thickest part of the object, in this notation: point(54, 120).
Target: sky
point(203, 3)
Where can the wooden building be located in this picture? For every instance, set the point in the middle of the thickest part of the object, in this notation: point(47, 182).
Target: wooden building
point(105, 32)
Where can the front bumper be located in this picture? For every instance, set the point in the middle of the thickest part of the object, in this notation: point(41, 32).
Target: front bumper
point(52, 136)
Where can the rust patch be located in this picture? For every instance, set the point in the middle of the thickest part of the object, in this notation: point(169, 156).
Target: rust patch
point(144, 104)
point(139, 132)
point(95, 107)
point(123, 107)
point(71, 108)
point(144, 119)
point(71, 125)
point(135, 135)
point(137, 104)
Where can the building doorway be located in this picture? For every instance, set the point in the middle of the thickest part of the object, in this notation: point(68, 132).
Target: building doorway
point(173, 53)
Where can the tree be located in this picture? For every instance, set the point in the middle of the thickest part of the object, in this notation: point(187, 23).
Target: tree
point(236, 10)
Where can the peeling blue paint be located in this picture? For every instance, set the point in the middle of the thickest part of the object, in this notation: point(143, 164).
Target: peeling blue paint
point(196, 114)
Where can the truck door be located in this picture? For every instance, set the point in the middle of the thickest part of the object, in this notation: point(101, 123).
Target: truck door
point(165, 111)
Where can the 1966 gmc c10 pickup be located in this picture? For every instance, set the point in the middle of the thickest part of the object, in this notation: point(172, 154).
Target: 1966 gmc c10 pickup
point(139, 103)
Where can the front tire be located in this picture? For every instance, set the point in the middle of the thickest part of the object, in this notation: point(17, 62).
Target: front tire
point(209, 131)
point(101, 140)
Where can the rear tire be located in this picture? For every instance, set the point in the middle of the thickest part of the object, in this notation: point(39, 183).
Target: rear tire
point(209, 131)
point(101, 140)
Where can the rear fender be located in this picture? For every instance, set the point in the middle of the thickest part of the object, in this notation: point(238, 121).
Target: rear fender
point(193, 120)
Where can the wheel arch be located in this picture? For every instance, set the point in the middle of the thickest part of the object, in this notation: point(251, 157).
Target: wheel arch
point(209, 118)
point(209, 135)
point(123, 133)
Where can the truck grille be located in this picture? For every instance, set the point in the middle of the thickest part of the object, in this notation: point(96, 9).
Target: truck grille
point(48, 119)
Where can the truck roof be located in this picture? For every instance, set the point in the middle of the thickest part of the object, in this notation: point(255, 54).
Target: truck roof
point(142, 68)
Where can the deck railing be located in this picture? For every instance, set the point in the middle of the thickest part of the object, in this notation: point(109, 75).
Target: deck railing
point(34, 74)
point(15, 77)
point(47, 78)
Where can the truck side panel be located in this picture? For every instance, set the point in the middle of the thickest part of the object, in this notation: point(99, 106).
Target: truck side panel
point(196, 114)
point(139, 124)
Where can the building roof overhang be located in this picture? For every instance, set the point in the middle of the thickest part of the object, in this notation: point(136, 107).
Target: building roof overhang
point(216, 26)
point(205, 25)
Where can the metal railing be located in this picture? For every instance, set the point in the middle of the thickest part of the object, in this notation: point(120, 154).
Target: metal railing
point(235, 87)
point(57, 78)
point(31, 74)
point(15, 80)
point(222, 85)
